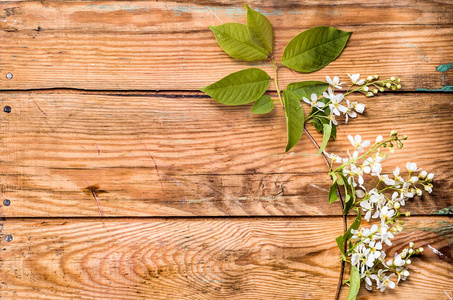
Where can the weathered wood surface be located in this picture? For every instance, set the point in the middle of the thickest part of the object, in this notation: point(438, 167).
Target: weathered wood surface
point(185, 155)
point(149, 45)
point(203, 259)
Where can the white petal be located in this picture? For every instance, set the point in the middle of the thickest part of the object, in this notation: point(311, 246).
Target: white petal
point(378, 246)
point(365, 144)
point(360, 193)
point(306, 100)
point(360, 108)
point(342, 108)
point(314, 97)
point(329, 80)
point(351, 139)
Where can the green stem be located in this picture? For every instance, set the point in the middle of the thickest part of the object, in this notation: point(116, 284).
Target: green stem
point(276, 81)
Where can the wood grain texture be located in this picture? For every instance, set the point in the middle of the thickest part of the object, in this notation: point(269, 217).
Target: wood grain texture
point(148, 45)
point(203, 259)
point(184, 155)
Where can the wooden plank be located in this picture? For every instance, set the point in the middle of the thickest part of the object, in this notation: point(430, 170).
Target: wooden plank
point(182, 155)
point(203, 259)
point(148, 45)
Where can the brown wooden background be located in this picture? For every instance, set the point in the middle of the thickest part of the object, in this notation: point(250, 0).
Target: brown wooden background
point(125, 182)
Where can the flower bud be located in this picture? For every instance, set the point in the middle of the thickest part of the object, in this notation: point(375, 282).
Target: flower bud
point(398, 86)
point(422, 174)
point(388, 85)
point(397, 205)
point(405, 273)
point(392, 78)
point(375, 76)
point(420, 249)
point(369, 94)
point(407, 214)
point(430, 177)
point(408, 261)
point(365, 89)
point(393, 87)
point(369, 78)
point(398, 80)
point(411, 244)
point(418, 192)
point(381, 89)
point(393, 132)
point(375, 91)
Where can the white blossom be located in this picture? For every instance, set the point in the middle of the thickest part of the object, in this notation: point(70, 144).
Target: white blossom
point(334, 157)
point(357, 142)
point(335, 82)
point(314, 102)
point(359, 107)
point(349, 111)
point(332, 119)
point(411, 167)
point(355, 79)
point(335, 106)
point(379, 139)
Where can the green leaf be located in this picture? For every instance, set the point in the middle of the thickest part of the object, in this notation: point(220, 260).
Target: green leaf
point(354, 286)
point(294, 119)
point(350, 195)
point(318, 123)
point(340, 243)
point(260, 29)
point(306, 88)
point(240, 87)
point(263, 105)
point(355, 225)
point(333, 193)
point(235, 40)
point(325, 138)
point(314, 48)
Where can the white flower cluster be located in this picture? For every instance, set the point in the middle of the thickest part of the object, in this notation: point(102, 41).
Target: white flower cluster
point(348, 109)
point(383, 202)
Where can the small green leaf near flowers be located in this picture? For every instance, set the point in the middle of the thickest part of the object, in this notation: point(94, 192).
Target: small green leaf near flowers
point(354, 285)
point(325, 138)
point(263, 105)
point(333, 193)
